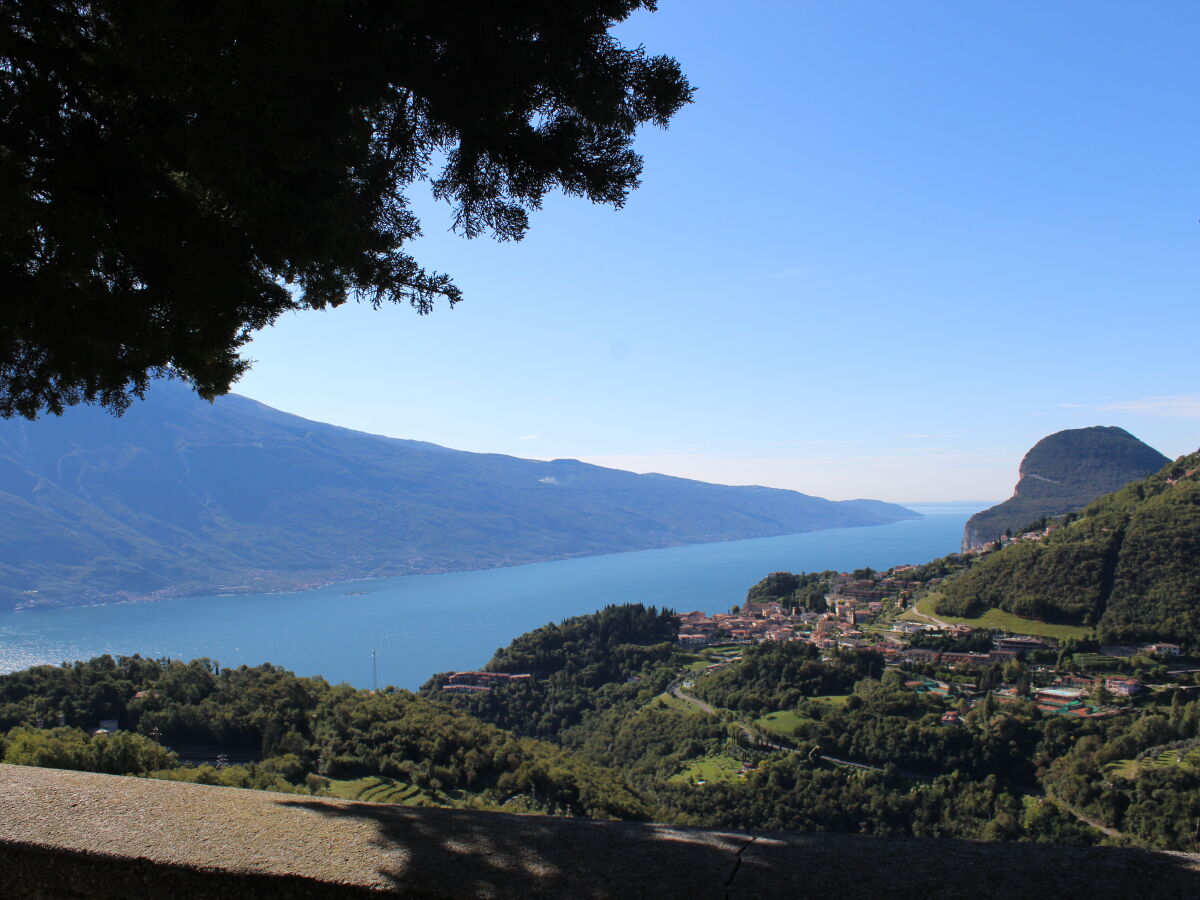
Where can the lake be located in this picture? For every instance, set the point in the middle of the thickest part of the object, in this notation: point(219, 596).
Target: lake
point(424, 624)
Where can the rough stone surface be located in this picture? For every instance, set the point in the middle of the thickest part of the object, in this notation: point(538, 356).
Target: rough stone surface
point(81, 835)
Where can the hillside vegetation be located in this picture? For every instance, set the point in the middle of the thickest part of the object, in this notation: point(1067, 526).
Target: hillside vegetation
point(631, 727)
point(579, 664)
point(1062, 473)
point(302, 733)
point(1126, 565)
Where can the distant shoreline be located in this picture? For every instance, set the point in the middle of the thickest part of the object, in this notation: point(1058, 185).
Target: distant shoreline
point(283, 587)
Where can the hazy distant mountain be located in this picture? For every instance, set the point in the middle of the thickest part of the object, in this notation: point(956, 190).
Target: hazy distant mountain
point(1063, 473)
point(182, 496)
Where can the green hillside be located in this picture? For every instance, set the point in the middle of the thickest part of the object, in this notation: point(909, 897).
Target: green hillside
point(1128, 565)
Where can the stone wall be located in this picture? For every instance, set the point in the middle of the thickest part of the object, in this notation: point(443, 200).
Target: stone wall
point(81, 835)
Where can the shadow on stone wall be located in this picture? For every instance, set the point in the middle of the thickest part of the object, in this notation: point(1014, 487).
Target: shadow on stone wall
point(469, 854)
point(84, 835)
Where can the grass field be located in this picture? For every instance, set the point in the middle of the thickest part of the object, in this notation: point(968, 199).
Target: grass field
point(708, 770)
point(377, 790)
point(1129, 768)
point(781, 724)
point(838, 700)
point(998, 619)
point(1122, 768)
point(1092, 661)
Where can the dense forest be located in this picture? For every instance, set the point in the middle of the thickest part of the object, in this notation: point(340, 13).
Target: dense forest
point(301, 732)
point(1127, 564)
point(584, 663)
point(805, 590)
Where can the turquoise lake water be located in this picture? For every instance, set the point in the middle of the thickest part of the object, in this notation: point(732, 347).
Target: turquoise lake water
point(433, 623)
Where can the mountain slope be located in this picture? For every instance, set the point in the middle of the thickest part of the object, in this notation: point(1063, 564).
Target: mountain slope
point(1128, 565)
point(184, 496)
point(1062, 473)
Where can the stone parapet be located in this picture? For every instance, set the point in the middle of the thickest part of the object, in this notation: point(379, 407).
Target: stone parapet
point(82, 835)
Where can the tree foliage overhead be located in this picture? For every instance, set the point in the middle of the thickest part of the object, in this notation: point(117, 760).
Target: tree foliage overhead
point(174, 176)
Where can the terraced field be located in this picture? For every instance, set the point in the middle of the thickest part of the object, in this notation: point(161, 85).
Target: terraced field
point(1130, 768)
point(377, 789)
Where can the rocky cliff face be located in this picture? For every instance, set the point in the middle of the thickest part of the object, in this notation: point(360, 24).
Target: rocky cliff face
point(1063, 473)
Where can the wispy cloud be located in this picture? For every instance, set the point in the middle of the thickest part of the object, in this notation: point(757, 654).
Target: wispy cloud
point(1185, 406)
point(529, 437)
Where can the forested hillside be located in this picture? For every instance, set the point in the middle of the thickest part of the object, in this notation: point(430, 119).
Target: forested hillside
point(583, 663)
point(302, 734)
point(1062, 473)
point(1128, 564)
point(774, 736)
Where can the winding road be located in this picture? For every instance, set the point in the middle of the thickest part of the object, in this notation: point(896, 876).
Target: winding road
point(760, 739)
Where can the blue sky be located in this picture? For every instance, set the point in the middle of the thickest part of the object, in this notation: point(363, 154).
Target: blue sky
point(889, 247)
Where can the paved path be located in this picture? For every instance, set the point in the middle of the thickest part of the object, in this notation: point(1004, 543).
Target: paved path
point(695, 701)
point(752, 735)
point(1088, 820)
point(930, 618)
point(758, 738)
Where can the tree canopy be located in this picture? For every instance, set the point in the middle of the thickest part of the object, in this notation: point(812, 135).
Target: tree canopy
point(174, 176)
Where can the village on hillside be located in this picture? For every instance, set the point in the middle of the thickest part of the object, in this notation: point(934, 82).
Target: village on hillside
point(892, 614)
point(877, 614)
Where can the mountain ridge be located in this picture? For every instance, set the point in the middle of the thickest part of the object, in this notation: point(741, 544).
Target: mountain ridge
point(182, 497)
point(1062, 473)
point(1125, 565)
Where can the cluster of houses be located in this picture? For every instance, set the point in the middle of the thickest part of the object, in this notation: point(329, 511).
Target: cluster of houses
point(1003, 650)
point(855, 602)
point(1005, 539)
point(754, 622)
point(838, 628)
point(1072, 695)
point(1161, 648)
point(480, 682)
